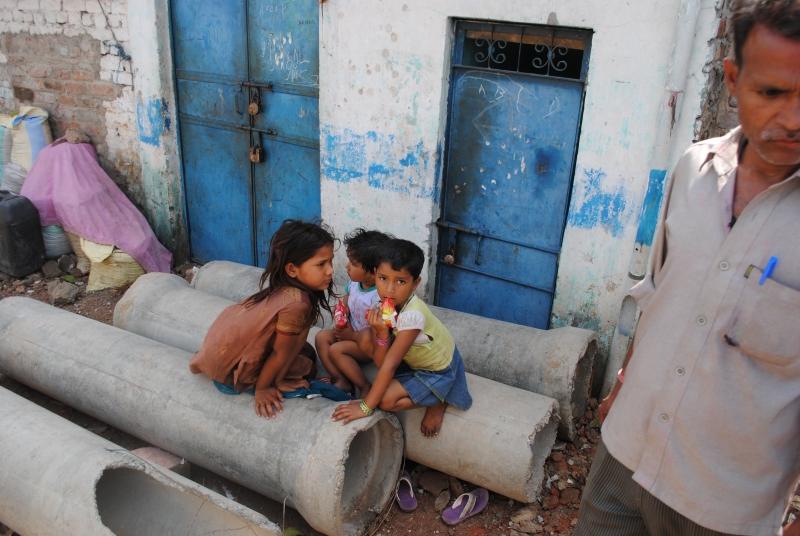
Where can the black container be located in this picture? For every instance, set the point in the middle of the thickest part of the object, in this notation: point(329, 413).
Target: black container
point(21, 245)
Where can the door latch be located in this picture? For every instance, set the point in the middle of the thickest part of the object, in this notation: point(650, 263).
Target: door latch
point(256, 154)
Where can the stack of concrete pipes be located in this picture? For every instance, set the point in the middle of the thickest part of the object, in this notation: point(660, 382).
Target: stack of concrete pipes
point(501, 443)
point(339, 478)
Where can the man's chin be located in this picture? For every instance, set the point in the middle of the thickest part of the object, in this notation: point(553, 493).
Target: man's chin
point(780, 154)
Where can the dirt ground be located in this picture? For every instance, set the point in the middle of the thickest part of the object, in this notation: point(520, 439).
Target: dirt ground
point(555, 514)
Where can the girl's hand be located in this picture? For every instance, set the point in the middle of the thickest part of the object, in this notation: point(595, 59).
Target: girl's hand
point(269, 402)
point(344, 334)
point(348, 412)
point(376, 322)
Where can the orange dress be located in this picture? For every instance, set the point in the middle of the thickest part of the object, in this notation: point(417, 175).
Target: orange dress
point(241, 338)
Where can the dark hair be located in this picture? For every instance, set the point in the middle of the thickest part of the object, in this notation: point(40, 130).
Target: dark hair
point(362, 246)
point(295, 241)
point(402, 255)
point(781, 16)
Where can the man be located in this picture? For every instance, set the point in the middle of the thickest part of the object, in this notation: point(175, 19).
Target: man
point(704, 433)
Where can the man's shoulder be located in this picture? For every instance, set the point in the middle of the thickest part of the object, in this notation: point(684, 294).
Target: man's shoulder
point(702, 151)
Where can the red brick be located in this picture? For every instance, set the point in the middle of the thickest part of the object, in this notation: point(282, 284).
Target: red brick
point(103, 89)
point(66, 100)
point(38, 71)
point(53, 84)
point(82, 75)
point(76, 88)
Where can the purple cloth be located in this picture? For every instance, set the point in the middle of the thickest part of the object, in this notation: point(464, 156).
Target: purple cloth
point(69, 188)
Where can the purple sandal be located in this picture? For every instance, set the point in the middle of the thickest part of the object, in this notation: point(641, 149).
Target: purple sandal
point(405, 494)
point(465, 506)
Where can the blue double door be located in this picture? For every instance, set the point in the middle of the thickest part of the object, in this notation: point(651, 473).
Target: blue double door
point(515, 110)
point(248, 88)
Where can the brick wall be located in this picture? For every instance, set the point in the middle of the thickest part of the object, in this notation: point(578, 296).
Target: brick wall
point(70, 58)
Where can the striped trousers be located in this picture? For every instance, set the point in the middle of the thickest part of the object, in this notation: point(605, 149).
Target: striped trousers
point(614, 505)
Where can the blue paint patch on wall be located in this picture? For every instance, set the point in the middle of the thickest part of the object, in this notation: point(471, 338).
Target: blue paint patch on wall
point(152, 120)
point(378, 159)
point(651, 207)
point(598, 208)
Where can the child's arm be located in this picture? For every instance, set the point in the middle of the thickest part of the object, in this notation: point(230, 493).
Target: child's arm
point(388, 365)
point(268, 398)
point(387, 358)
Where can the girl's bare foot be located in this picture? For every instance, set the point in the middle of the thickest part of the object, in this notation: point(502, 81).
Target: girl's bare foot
point(432, 421)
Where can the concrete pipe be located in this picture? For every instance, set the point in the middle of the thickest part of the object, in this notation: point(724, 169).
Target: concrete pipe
point(337, 477)
point(501, 443)
point(59, 478)
point(556, 362)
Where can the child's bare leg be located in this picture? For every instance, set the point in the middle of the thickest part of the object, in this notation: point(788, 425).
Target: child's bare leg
point(365, 341)
point(397, 399)
point(351, 349)
point(294, 373)
point(350, 369)
point(323, 342)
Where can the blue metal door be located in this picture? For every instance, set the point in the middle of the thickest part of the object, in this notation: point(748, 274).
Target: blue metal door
point(512, 138)
point(248, 87)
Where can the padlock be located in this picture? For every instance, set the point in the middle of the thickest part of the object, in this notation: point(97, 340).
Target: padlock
point(255, 103)
point(256, 154)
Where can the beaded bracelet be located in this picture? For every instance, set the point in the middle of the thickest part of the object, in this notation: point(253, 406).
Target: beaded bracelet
point(365, 408)
point(382, 342)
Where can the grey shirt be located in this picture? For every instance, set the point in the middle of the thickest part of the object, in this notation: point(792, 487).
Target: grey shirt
point(708, 418)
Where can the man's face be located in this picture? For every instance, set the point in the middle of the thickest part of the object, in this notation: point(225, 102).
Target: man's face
point(767, 88)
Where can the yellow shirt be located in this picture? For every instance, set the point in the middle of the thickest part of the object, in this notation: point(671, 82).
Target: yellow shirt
point(434, 346)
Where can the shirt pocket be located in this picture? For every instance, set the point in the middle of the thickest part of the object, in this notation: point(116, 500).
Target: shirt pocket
point(766, 322)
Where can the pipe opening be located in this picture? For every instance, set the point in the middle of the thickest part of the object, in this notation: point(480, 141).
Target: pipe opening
point(130, 502)
point(368, 481)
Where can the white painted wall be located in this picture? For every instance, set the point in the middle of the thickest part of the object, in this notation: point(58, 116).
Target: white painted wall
point(383, 96)
point(156, 119)
point(384, 66)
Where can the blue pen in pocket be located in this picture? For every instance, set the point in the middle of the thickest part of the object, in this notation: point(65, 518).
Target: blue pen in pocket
point(768, 269)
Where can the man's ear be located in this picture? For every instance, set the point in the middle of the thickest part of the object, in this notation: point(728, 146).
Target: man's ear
point(731, 70)
point(291, 269)
point(417, 281)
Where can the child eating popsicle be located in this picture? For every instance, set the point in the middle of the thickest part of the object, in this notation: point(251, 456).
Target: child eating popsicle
point(349, 316)
point(418, 362)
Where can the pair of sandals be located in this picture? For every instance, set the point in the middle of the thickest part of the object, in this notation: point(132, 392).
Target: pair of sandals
point(465, 506)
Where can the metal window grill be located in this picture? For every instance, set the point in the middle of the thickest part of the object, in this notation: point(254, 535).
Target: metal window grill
point(540, 50)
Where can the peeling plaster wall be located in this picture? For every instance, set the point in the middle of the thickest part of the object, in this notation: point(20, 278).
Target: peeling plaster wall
point(103, 66)
point(383, 110)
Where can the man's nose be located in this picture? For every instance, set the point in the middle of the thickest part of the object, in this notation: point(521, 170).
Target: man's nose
point(790, 117)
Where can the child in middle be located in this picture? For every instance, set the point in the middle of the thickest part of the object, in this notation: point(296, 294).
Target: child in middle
point(360, 296)
point(418, 362)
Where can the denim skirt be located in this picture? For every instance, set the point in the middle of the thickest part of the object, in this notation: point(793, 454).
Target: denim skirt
point(428, 388)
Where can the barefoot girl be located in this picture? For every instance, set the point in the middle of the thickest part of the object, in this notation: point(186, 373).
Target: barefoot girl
point(418, 363)
point(259, 343)
point(361, 296)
